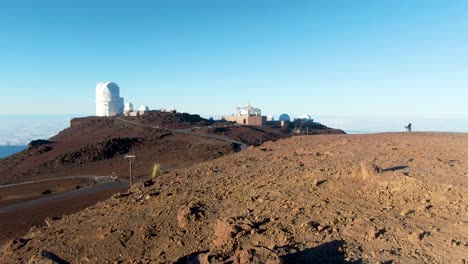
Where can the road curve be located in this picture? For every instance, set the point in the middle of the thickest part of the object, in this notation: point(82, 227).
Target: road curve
point(101, 186)
point(51, 179)
point(71, 194)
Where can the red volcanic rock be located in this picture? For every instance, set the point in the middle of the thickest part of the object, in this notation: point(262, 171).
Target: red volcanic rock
point(296, 200)
point(256, 255)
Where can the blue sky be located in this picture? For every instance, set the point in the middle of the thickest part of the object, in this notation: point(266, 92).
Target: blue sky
point(401, 60)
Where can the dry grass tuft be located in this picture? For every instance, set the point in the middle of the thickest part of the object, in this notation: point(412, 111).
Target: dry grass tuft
point(156, 170)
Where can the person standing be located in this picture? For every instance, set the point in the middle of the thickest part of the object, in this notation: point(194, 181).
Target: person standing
point(409, 127)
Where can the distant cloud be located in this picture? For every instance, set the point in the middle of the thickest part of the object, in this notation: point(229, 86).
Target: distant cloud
point(20, 129)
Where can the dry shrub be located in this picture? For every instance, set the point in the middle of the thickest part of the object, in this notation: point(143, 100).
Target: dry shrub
point(156, 170)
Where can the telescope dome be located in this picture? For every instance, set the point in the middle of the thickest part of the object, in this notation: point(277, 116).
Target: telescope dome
point(128, 107)
point(144, 108)
point(284, 117)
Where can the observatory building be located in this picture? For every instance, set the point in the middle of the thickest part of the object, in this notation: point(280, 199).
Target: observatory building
point(284, 118)
point(108, 100)
point(306, 117)
point(143, 109)
point(128, 108)
point(247, 115)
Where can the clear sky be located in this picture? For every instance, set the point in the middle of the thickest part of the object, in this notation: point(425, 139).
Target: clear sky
point(355, 59)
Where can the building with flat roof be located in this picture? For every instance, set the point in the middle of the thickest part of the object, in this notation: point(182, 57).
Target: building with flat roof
point(247, 115)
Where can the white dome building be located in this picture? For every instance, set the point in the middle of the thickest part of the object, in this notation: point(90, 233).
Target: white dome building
point(305, 117)
point(108, 100)
point(128, 107)
point(143, 109)
point(270, 118)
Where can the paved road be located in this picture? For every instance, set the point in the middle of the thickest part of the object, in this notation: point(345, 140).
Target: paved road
point(71, 194)
point(52, 179)
point(189, 132)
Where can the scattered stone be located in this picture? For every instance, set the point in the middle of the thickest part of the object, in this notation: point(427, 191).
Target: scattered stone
point(190, 213)
point(120, 195)
point(417, 236)
point(46, 257)
point(224, 231)
point(49, 220)
point(369, 170)
point(406, 212)
point(375, 232)
point(256, 255)
point(315, 183)
point(148, 183)
point(18, 243)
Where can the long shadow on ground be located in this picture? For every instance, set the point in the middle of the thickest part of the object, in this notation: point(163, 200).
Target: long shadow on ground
point(326, 253)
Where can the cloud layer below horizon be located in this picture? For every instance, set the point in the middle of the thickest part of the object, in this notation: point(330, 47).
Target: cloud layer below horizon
point(20, 130)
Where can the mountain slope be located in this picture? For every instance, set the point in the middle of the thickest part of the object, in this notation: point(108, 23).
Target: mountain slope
point(327, 199)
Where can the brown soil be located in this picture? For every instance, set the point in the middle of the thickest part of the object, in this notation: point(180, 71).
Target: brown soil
point(97, 146)
point(380, 198)
point(251, 135)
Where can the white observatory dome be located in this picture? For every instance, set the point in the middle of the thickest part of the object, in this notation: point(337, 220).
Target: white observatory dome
point(108, 100)
point(144, 108)
point(128, 107)
point(284, 117)
point(306, 117)
point(270, 118)
point(106, 91)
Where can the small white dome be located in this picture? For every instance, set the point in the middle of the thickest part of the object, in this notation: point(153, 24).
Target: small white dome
point(307, 117)
point(128, 107)
point(284, 117)
point(270, 118)
point(144, 108)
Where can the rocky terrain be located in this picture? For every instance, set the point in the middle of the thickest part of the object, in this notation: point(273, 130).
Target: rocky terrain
point(97, 146)
point(383, 198)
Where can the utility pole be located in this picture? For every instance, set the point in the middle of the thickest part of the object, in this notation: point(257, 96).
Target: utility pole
point(130, 159)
